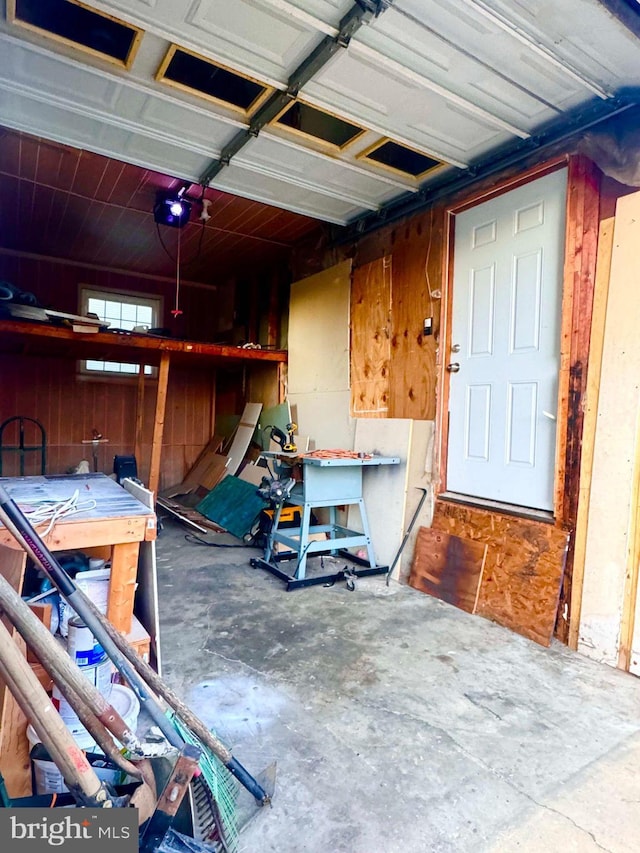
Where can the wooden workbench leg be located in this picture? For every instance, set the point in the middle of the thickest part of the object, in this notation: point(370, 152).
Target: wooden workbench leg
point(158, 424)
point(122, 585)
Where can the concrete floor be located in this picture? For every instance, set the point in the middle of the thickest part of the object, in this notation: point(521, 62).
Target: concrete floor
point(399, 724)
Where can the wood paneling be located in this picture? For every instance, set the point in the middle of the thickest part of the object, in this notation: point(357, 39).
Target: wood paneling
point(81, 206)
point(448, 567)
point(523, 572)
point(370, 338)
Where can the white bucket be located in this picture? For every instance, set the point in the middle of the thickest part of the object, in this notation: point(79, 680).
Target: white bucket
point(99, 675)
point(82, 646)
point(47, 777)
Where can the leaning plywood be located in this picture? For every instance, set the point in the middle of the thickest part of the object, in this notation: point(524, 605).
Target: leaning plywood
point(384, 488)
point(523, 572)
point(318, 387)
point(611, 556)
point(242, 438)
point(391, 492)
point(448, 567)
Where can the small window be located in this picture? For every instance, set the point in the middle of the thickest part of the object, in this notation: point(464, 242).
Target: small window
point(201, 76)
point(73, 23)
point(319, 124)
point(122, 311)
point(400, 158)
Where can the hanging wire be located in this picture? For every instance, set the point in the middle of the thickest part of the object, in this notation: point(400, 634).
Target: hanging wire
point(176, 312)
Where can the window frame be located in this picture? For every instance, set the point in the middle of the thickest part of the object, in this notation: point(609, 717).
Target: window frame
point(153, 300)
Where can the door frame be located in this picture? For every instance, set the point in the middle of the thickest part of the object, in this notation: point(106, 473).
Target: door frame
point(581, 244)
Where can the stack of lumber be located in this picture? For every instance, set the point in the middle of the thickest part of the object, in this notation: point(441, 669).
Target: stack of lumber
point(200, 499)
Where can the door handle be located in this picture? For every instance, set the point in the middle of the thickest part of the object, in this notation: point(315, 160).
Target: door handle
point(454, 367)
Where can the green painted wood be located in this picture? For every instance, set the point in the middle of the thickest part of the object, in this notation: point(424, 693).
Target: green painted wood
point(233, 504)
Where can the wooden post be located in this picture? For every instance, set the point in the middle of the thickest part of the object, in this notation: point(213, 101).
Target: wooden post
point(603, 268)
point(158, 425)
point(583, 206)
point(139, 415)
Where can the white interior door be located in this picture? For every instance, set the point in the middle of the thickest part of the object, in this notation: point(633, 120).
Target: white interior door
point(505, 345)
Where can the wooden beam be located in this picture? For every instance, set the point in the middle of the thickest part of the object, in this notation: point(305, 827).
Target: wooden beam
point(139, 415)
point(603, 268)
point(583, 208)
point(158, 424)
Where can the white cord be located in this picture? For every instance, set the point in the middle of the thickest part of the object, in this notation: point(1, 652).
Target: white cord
point(49, 512)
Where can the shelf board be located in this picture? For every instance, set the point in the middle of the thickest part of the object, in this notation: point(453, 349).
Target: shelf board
point(28, 338)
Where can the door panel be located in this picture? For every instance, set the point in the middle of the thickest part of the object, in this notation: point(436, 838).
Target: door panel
point(507, 293)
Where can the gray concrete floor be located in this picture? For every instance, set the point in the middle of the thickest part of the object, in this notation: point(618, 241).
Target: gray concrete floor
point(399, 724)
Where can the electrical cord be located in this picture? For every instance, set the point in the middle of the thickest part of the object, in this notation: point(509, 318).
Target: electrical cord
point(49, 512)
point(195, 540)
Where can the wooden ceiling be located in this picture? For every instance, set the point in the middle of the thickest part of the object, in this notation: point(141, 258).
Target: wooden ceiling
point(83, 207)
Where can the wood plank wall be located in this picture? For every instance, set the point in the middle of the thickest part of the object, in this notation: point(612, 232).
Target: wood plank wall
point(70, 406)
point(57, 285)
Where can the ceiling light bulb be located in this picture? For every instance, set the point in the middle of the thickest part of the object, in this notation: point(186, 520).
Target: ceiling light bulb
point(176, 208)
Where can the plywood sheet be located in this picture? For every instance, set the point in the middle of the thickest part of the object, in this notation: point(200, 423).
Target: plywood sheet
point(523, 572)
point(243, 436)
point(319, 332)
point(371, 338)
point(384, 488)
point(448, 567)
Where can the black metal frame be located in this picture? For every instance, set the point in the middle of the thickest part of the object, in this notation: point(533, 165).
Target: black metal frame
point(348, 573)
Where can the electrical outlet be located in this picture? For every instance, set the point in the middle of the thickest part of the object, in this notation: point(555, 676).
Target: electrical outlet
point(427, 328)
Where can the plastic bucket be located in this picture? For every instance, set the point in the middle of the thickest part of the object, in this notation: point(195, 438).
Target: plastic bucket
point(82, 646)
point(47, 777)
point(99, 675)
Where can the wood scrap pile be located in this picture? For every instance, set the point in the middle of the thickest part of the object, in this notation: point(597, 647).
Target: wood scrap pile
point(219, 491)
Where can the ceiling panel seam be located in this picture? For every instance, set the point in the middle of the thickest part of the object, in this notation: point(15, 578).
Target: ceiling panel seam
point(358, 47)
point(542, 50)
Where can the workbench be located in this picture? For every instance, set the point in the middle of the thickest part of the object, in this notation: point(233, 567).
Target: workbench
point(327, 482)
point(112, 529)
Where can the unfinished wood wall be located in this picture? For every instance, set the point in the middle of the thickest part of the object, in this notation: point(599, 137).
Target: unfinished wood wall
point(70, 407)
point(57, 285)
point(397, 284)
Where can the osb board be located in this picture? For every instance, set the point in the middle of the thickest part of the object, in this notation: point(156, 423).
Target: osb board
point(370, 338)
point(448, 567)
point(523, 572)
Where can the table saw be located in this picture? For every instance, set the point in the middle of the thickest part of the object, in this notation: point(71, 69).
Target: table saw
point(325, 480)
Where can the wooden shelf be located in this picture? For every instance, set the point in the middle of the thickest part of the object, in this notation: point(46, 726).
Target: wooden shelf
point(23, 337)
